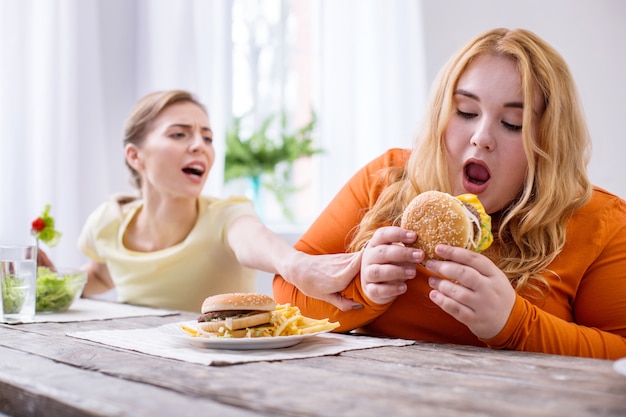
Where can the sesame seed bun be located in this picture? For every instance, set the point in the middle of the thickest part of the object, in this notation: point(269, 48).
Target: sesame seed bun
point(440, 218)
point(238, 301)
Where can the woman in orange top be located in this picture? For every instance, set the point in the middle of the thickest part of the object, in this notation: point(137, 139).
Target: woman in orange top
point(505, 124)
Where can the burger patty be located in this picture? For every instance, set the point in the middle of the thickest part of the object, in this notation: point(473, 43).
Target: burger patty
point(474, 211)
point(221, 315)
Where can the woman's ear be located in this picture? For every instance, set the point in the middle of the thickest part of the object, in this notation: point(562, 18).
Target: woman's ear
point(132, 157)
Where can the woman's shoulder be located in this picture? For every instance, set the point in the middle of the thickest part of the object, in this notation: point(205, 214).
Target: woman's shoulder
point(113, 210)
point(393, 157)
point(603, 200)
point(603, 215)
point(208, 201)
point(226, 208)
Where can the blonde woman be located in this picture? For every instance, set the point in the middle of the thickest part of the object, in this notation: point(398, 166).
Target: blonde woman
point(505, 123)
point(172, 247)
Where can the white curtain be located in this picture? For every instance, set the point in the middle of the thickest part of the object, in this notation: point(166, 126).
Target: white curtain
point(372, 79)
point(70, 70)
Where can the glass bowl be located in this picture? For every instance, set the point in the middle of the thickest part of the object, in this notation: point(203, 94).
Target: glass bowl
point(58, 288)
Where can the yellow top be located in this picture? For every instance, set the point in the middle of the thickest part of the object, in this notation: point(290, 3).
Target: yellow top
point(179, 277)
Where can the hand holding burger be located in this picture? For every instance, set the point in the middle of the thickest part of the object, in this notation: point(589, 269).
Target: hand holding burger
point(440, 218)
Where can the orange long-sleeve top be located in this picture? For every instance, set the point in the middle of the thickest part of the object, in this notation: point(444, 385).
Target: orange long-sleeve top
point(583, 314)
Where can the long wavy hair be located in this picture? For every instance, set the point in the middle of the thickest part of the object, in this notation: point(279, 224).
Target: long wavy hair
point(530, 232)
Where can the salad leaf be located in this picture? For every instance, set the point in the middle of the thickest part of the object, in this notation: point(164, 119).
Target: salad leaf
point(56, 292)
point(13, 296)
point(47, 234)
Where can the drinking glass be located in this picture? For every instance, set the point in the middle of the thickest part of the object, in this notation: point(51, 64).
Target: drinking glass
point(18, 279)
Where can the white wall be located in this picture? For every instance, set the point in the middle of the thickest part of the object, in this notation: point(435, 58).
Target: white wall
point(591, 36)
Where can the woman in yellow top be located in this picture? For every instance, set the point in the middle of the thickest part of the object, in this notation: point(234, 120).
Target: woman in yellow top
point(173, 247)
point(505, 123)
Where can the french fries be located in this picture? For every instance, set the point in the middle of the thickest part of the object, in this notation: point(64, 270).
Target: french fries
point(189, 330)
point(287, 320)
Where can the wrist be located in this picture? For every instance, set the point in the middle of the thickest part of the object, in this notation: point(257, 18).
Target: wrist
point(287, 265)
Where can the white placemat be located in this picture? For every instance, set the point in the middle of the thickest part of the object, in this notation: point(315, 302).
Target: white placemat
point(85, 309)
point(153, 342)
point(620, 366)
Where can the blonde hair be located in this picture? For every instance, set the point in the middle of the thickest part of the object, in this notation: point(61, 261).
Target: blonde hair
point(531, 232)
point(139, 121)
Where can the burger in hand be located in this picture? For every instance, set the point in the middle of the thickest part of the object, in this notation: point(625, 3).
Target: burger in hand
point(440, 218)
point(236, 315)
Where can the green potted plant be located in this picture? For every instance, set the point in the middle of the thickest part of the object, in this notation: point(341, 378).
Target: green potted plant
point(263, 150)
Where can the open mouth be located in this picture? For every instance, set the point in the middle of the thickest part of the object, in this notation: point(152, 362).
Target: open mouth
point(196, 170)
point(476, 173)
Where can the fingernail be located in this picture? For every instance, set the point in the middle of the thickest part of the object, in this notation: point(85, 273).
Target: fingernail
point(432, 281)
point(357, 306)
point(417, 254)
point(402, 288)
point(410, 272)
point(410, 235)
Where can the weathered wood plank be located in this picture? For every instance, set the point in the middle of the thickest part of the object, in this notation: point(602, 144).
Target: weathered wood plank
point(501, 388)
point(34, 386)
point(421, 379)
point(541, 370)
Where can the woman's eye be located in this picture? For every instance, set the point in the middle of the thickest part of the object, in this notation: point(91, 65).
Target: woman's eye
point(178, 135)
point(465, 115)
point(512, 127)
point(208, 139)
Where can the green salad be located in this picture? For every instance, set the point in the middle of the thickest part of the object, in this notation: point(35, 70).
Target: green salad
point(56, 292)
point(13, 296)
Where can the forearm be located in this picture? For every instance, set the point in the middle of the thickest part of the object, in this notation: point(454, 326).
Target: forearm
point(98, 279)
point(257, 247)
point(533, 330)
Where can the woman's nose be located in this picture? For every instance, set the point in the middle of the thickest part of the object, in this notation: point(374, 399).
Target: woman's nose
point(197, 143)
point(483, 136)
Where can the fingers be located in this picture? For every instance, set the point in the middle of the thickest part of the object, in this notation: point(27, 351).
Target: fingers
point(393, 254)
point(392, 234)
point(461, 265)
point(383, 293)
point(387, 263)
point(343, 304)
point(452, 297)
point(476, 292)
point(387, 246)
point(459, 311)
point(43, 260)
point(464, 257)
point(389, 272)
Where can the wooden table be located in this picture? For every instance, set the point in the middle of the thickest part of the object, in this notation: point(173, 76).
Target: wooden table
point(45, 373)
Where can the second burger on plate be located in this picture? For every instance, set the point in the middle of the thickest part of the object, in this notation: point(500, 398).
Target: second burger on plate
point(237, 315)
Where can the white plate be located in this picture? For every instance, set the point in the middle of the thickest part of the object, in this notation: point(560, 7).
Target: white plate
point(175, 331)
point(620, 366)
